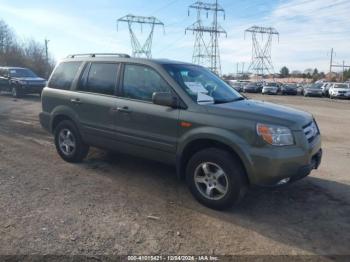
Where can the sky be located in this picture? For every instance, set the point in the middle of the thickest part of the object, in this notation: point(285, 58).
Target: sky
point(308, 28)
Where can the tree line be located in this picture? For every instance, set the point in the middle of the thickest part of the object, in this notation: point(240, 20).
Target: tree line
point(313, 74)
point(28, 53)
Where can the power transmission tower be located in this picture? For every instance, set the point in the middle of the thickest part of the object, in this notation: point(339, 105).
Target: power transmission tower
point(261, 49)
point(206, 50)
point(138, 50)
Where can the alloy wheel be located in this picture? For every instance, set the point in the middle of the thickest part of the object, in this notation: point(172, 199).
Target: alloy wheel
point(67, 142)
point(211, 181)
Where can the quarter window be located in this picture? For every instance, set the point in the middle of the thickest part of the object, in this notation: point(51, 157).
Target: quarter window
point(101, 78)
point(140, 82)
point(64, 75)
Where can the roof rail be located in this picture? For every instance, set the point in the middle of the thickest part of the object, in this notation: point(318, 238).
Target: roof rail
point(100, 54)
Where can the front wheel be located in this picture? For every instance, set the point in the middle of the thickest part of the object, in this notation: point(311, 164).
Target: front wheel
point(69, 144)
point(16, 92)
point(216, 179)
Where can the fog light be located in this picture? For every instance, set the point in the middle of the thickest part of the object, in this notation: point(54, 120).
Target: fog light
point(283, 181)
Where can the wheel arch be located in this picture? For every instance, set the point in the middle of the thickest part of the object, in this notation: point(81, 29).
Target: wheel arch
point(61, 114)
point(199, 144)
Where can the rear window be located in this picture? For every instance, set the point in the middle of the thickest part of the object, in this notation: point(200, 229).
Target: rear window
point(64, 75)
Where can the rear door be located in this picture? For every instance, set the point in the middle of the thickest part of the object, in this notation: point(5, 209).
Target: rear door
point(95, 100)
point(151, 128)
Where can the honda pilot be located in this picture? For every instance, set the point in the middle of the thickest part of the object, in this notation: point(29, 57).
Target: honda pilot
point(181, 114)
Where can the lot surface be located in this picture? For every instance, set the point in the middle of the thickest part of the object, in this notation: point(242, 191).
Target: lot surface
point(101, 207)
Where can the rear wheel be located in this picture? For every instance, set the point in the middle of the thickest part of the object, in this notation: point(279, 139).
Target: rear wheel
point(216, 179)
point(69, 144)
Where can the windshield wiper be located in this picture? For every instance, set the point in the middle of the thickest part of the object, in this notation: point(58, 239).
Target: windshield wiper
point(229, 101)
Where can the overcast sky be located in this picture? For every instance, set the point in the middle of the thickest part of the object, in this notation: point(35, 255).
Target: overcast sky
point(308, 28)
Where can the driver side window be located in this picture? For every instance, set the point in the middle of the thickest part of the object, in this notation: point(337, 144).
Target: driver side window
point(140, 82)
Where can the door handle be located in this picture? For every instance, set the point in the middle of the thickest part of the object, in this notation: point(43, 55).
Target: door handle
point(124, 109)
point(76, 101)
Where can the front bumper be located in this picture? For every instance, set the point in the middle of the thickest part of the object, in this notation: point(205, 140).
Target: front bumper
point(290, 92)
point(270, 92)
point(313, 94)
point(271, 165)
point(45, 120)
point(344, 96)
point(251, 91)
point(32, 89)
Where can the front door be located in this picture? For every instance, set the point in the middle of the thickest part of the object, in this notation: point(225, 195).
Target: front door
point(4, 79)
point(149, 128)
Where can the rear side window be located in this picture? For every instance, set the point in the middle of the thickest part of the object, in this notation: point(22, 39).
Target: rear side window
point(100, 78)
point(64, 75)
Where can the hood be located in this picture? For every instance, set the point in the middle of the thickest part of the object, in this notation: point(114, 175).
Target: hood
point(313, 89)
point(342, 89)
point(29, 79)
point(264, 112)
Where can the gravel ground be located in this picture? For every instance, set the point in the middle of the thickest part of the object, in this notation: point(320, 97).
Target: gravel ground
point(113, 204)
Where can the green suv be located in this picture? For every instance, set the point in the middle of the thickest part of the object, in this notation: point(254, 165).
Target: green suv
point(180, 114)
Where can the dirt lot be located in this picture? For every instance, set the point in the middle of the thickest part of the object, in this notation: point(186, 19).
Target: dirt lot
point(101, 207)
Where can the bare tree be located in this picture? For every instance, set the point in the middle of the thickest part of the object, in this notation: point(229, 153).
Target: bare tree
point(28, 53)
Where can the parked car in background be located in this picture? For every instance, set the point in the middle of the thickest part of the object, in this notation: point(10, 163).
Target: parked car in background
point(325, 88)
point(339, 90)
point(270, 89)
point(235, 85)
point(313, 90)
point(289, 89)
point(181, 114)
point(20, 81)
point(252, 88)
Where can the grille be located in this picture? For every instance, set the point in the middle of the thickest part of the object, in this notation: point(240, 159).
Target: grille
point(311, 131)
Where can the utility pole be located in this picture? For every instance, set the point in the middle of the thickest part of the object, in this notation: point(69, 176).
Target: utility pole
point(331, 63)
point(206, 49)
point(261, 49)
point(47, 50)
point(139, 50)
point(343, 66)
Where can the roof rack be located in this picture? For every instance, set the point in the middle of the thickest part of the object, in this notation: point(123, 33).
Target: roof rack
point(100, 54)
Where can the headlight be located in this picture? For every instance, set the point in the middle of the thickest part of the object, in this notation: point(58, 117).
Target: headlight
point(22, 82)
point(275, 135)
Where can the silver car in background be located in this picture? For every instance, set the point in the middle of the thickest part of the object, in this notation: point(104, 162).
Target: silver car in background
point(270, 89)
point(339, 90)
point(313, 90)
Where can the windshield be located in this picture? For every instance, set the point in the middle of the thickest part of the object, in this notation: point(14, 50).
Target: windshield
point(202, 85)
point(315, 86)
point(341, 86)
point(272, 84)
point(20, 72)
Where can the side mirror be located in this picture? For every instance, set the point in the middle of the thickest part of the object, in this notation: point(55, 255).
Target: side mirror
point(165, 99)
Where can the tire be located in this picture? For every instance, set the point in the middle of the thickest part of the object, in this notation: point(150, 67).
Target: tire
point(232, 182)
point(15, 91)
point(69, 144)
